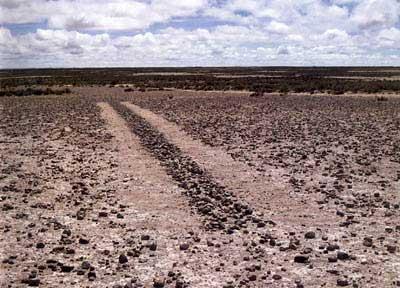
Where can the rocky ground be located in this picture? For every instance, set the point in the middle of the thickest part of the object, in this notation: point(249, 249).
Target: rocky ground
point(210, 190)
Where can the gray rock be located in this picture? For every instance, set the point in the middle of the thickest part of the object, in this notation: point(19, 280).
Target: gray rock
point(122, 259)
point(341, 255)
point(184, 246)
point(158, 282)
point(310, 235)
point(342, 282)
point(301, 259)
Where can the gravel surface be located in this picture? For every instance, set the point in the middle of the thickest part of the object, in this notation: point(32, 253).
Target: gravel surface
point(94, 194)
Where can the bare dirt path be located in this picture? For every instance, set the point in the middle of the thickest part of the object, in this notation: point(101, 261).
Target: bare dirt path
point(294, 214)
point(230, 173)
point(162, 212)
point(81, 207)
point(154, 192)
point(83, 203)
point(159, 211)
point(264, 191)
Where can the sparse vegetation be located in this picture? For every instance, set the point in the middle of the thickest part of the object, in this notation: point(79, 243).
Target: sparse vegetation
point(278, 79)
point(34, 92)
point(382, 98)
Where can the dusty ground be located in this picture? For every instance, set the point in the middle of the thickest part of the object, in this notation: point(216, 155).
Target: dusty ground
point(188, 189)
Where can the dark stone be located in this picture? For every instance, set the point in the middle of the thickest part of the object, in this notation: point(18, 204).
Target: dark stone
point(343, 255)
point(340, 213)
point(310, 235)
point(85, 265)
point(391, 248)
point(367, 242)
point(40, 245)
point(158, 282)
point(301, 259)
point(260, 224)
point(80, 272)
point(32, 282)
point(332, 247)
point(103, 214)
point(80, 215)
point(184, 246)
point(277, 277)
point(342, 282)
point(122, 259)
point(92, 275)
point(332, 259)
point(67, 268)
point(252, 277)
point(83, 241)
point(145, 237)
point(153, 246)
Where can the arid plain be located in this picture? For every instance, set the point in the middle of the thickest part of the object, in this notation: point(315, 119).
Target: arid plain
point(154, 178)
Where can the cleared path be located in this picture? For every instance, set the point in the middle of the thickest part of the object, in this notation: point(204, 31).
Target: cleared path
point(267, 192)
point(153, 191)
point(163, 213)
point(228, 172)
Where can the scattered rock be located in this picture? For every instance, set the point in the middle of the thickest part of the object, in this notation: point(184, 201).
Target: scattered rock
point(391, 248)
point(32, 282)
point(252, 277)
point(153, 246)
point(122, 259)
point(158, 282)
point(67, 268)
point(145, 237)
point(85, 265)
point(301, 259)
point(40, 245)
point(341, 255)
point(310, 235)
point(367, 242)
point(83, 241)
point(184, 246)
point(342, 282)
point(103, 214)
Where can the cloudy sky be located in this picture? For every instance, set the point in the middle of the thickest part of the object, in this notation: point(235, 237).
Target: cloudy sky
point(76, 33)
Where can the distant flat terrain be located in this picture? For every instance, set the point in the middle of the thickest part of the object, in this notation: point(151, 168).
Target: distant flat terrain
point(114, 185)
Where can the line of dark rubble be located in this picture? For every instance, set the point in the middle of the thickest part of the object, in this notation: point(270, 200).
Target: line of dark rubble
point(221, 209)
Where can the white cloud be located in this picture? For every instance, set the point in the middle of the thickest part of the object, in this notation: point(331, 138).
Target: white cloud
point(5, 36)
point(278, 27)
point(335, 36)
point(241, 32)
point(371, 14)
point(283, 51)
point(389, 38)
point(98, 15)
point(222, 45)
point(295, 38)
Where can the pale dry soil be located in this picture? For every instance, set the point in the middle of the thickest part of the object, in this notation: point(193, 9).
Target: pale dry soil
point(165, 212)
point(267, 192)
point(47, 178)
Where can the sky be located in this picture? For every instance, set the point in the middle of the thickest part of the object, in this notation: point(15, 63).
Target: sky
point(152, 33)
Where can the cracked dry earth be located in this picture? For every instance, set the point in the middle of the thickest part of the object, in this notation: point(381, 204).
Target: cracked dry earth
point(120, 191)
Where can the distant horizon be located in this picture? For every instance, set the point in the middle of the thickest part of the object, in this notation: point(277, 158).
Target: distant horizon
point(190, 67)
point(206, 33)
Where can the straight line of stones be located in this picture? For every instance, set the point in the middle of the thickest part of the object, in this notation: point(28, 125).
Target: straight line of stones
point(220, 208)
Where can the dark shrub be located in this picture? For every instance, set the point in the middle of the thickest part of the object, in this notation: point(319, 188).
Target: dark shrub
point(382, 99)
